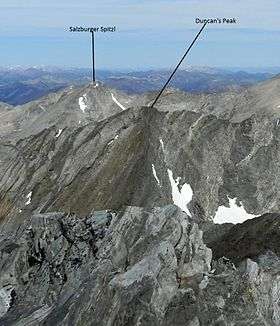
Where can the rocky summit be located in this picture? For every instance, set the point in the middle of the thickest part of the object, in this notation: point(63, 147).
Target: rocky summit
point(115, 213)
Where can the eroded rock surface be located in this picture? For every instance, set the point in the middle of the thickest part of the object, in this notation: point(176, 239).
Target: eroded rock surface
point(249, 239)
point(67, 261)
point(138, 266)
point(118, 157)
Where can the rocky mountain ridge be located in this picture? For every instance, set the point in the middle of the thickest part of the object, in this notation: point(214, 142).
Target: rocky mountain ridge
point(217, 156)
point(70, 156)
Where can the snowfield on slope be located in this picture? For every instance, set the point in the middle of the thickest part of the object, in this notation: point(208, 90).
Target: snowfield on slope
point(182, 197)
point(155, 174)
point(28, 197)
point(82, 103)
point(117, 102)
point(58, 133)
point(232, 214)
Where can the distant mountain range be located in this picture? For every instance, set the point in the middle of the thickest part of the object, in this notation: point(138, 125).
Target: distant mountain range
point(21, 85)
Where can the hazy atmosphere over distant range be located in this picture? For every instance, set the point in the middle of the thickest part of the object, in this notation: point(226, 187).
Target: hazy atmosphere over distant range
point(150, 34)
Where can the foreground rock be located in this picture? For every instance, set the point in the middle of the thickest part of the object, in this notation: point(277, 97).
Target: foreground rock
point(252, 238)
point(139, 266)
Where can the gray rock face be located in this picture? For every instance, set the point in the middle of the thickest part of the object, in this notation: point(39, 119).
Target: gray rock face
point(67, 261)
point(71, 107)
point(121, 157)
point(109, 164)
point(139, 266)
point(249, 239)
point(114, 162)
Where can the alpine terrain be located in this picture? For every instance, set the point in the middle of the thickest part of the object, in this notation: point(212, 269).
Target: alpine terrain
point(113, 213)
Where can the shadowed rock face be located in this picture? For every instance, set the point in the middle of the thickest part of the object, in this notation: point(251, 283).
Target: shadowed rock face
point(96, 166)
point(249, 239)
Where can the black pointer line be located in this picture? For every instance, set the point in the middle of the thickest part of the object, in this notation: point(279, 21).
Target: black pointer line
point(178, 65)
point(93, 63)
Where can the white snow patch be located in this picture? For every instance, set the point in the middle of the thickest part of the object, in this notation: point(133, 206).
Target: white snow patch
point(28, 197)
point(41, 107)
point(58, 133)
point(155, 174)
point(232, 214)
point(82, 102)
point(5, 300)
point(79, 121)
point(182, 197)
point(117, 102)
point(111, 141)
point(162, 144)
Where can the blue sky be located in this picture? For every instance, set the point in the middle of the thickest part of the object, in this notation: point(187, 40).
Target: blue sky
point(150, 34)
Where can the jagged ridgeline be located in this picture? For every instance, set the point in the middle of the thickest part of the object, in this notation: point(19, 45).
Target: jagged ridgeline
point(103, 200)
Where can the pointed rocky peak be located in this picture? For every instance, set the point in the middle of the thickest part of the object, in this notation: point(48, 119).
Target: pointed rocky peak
point(72, 107)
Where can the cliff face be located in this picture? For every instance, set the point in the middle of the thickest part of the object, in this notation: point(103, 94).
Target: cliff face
point(145, 266)
point(65, 260)
point(135, 157)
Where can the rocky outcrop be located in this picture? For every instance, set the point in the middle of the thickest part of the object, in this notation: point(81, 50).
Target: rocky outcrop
point(138, 266)
point(252, 238)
